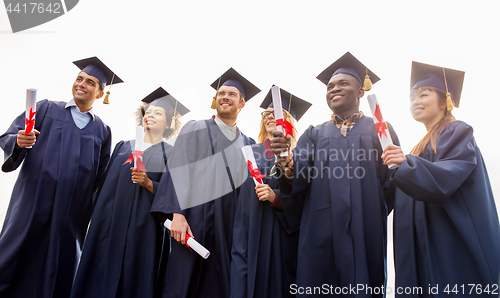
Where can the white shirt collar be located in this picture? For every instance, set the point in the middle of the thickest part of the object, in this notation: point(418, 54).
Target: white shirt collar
point(228, 131)
point(72, 103)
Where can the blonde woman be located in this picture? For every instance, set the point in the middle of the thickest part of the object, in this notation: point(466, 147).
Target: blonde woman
point(264, 253)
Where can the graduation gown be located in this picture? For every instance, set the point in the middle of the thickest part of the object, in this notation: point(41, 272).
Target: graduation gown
point(214, 163)
point(123, 245)
point(341, 198)
point(446, 229)
point(264, 254)
point(51, 203)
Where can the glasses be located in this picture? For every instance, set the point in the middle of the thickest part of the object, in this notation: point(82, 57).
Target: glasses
point(266, 114)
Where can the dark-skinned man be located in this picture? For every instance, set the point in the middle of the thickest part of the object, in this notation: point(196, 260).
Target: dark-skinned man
point(337, 190)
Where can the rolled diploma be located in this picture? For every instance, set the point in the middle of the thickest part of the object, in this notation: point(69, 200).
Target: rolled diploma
point(139, 139)
point(384, 140)
point(30, 105)
point(278, 110)
point(248, 154)
point(197, 247)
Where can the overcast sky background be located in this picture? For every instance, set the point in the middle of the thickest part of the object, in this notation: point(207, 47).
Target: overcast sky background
point(184, 46)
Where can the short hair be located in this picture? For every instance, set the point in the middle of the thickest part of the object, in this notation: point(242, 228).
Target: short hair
point(101, 86)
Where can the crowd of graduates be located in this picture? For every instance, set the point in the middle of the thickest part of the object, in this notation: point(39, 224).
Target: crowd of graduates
point(87, 222)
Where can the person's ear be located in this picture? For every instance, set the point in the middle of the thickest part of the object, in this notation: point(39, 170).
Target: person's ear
point(99, 95)
point(242, 104)
point(361, 92)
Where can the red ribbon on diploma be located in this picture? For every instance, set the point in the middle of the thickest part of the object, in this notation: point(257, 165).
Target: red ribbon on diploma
point(187, 238)
point(139, 165)
point(287, 126)
point(255, 172)
point(380, 125)
point(30, 122)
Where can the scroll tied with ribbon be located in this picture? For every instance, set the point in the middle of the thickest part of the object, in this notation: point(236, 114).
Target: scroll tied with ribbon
point(252, 165)
point(380, 126)
point(191, 243)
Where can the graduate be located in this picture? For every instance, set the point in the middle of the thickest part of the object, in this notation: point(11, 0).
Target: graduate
point(340, 192)
point(264, 254)
point(124, 243)
point(199, 193)
point(52, 200)
point(446, 229)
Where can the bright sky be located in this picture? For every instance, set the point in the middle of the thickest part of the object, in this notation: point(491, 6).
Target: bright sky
point(184, 46)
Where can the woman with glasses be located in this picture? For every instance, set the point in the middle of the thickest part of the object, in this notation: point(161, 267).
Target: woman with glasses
point(264, 253)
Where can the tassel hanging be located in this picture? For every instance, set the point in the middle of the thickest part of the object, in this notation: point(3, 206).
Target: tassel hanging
point(215, 97)
point(213, 102)
point(367, 84)
point(106, 99)
point(449, 102)
point(172, 124)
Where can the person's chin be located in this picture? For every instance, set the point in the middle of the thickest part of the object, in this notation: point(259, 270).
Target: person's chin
point(225, 112)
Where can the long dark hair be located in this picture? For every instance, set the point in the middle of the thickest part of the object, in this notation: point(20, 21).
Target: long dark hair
point(432, 135)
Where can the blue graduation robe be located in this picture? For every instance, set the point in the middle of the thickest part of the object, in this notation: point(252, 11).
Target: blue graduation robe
point(51, 202)
point(264, 254)
point(122, 249)
point(188, 274)
point(446, 229)
point(341, 198)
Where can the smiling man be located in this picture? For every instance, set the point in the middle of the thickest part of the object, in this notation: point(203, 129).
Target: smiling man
point(340, 193)
point(52, 199)
point(199, 192)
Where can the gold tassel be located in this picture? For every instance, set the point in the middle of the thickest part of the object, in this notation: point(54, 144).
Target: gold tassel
point(106, 99)
point(172, 124)
point(215, 97)
point(213, 102)
point(367, 85)
point(449, 102)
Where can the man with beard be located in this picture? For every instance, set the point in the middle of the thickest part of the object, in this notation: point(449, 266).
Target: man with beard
point(199, 192)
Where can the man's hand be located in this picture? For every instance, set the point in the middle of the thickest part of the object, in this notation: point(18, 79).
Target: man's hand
point(179, 228)
point(26, 140)
point(280, 144)
point(142, 178)
point(265, 192)
point(393, 154)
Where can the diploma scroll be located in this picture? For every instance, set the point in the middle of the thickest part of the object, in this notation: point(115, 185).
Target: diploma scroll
point(135, 156)
point(278, 111)
point(252, 165)
point(30, 111)
point(197, 247)
point(382, 130)
point(139, 139)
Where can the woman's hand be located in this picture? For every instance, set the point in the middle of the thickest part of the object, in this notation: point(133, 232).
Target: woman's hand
point(142, 178)
point(265, 192)
point(393, 154)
